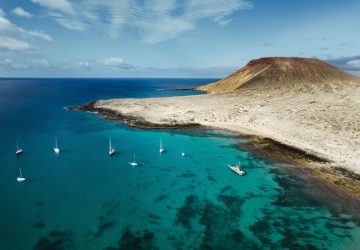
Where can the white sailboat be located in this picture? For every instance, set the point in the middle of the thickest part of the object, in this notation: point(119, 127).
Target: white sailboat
point(162, 149)
point(111, 149)
point(18, 150)
point(20, 178)
point(56, 148)
point(133, 163)
point(237, 169)
point(183, 153)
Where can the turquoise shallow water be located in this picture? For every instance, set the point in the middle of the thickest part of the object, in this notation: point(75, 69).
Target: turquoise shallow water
point(84, 199)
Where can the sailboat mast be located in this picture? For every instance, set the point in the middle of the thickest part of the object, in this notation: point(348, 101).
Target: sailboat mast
point(109, 144)
point(17, 145)
point(20, 173)
point(56, 144)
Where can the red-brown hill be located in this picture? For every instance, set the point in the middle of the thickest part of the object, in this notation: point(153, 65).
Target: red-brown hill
point(284, 73)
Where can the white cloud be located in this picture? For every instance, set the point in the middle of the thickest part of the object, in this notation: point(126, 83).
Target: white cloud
point(354, 64)
point(13, 38)
point(216, 10)
point(160, 20)
point(40, 34)
point(112, 61)
point(155, 21)
point(72, 24)
point(11, 44)
point(164, 29)
point(21, 12)
point(59, 5)
point(116, 62)
point(110, 67)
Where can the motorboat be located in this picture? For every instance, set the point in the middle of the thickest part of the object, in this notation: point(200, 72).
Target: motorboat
point(237, 169)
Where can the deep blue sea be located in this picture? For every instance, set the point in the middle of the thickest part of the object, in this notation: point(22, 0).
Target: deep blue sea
point(84, 199)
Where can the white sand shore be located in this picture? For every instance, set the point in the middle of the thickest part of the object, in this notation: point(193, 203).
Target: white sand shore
point(326, 124)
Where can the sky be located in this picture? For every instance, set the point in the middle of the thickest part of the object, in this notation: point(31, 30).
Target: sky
point(168, 38)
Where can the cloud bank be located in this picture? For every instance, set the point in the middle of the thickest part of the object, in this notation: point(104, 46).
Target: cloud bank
point(21, 12)
point(346, 63)
point(60, 5)
point(155, 21)
point(108, 67)
point(354, 64)
point(14, 38)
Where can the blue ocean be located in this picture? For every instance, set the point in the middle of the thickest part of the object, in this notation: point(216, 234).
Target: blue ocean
point(85, 199)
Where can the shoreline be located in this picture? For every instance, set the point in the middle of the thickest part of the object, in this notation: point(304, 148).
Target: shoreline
point(336, 178)
point(130, 120)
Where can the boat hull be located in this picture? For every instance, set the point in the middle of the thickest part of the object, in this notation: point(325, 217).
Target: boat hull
point(237, 170)
point(20, 179)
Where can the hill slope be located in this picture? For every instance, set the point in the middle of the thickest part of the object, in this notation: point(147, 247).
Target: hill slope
point(284, 73)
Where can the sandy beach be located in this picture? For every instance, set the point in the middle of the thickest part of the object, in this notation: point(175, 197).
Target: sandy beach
point(324, 124)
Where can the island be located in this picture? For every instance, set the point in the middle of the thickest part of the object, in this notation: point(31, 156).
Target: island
point(302, 103)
